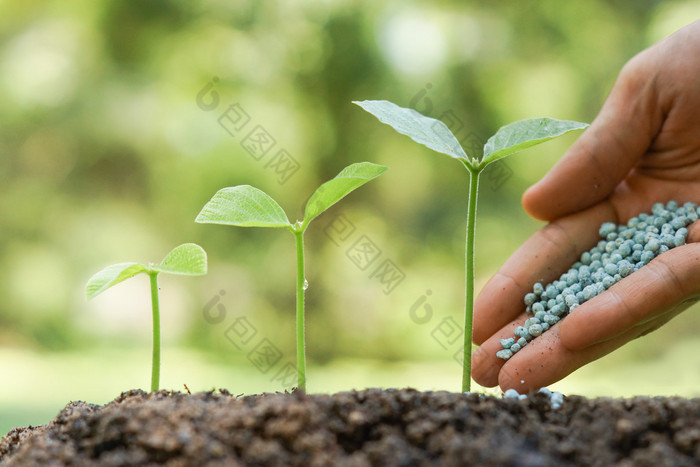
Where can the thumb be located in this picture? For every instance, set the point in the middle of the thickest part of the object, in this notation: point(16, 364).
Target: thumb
point(606, 152)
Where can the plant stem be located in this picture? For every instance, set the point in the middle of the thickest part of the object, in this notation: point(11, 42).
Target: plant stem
point(301, 291)
point(155, 365)
point(469, 260)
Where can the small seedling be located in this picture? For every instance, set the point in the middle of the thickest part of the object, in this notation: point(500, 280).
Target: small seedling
point(187, 259)
point(435, 135)
point(247, 206)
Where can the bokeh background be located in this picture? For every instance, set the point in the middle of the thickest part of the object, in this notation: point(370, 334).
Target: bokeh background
point(120, 119)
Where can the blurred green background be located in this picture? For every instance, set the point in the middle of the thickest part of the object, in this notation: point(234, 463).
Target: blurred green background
point(120, 119)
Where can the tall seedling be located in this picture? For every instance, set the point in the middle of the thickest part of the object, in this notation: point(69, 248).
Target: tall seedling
point(246, 206)
point(435, 135)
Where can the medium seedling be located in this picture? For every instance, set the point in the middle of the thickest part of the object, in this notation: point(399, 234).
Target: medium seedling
point(437, 136)
point(188, 259)
point(247, 206)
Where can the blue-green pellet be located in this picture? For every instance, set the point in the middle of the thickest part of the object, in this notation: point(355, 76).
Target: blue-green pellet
point(606, 228)
point(530, 321)
point(514, 348)
point(624, 251)
point(535, 330)
point(530, 298)
point(586, 257)
point(551, 319)
point(589, 292)
point(520, 331)
point(652, 245)
point(522, 342)
point(611, 269)
point(608, 282)
point(539, 316)
point(505, 354)
point(538, 289)
point(537, 307)
point(666, 239)
point(625, 268)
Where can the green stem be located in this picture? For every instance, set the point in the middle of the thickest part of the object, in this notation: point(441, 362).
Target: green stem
point(155, 366)
point(469, 260)
point(301, 291)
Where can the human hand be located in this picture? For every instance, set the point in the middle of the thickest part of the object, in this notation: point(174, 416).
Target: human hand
point(643, 147)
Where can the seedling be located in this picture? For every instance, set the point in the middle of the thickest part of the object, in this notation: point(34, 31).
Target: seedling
point(247, 206)
point(187, 259)
point(435, 135)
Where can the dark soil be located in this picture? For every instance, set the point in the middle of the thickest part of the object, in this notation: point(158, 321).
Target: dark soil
point(361, 428)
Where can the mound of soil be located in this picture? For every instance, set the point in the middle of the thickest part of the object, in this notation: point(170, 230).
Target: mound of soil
point(362, 428)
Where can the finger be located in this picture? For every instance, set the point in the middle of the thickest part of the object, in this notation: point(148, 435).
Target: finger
point(545, 360)
point(542, 258)
point(669, 282)
point(606, 152)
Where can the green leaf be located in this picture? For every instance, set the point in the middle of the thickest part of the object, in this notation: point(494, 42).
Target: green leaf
point(244, 206)
point(111, 275)
point(350, 178)
point(188, 259)
point(525, 133)
point(424, 130)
